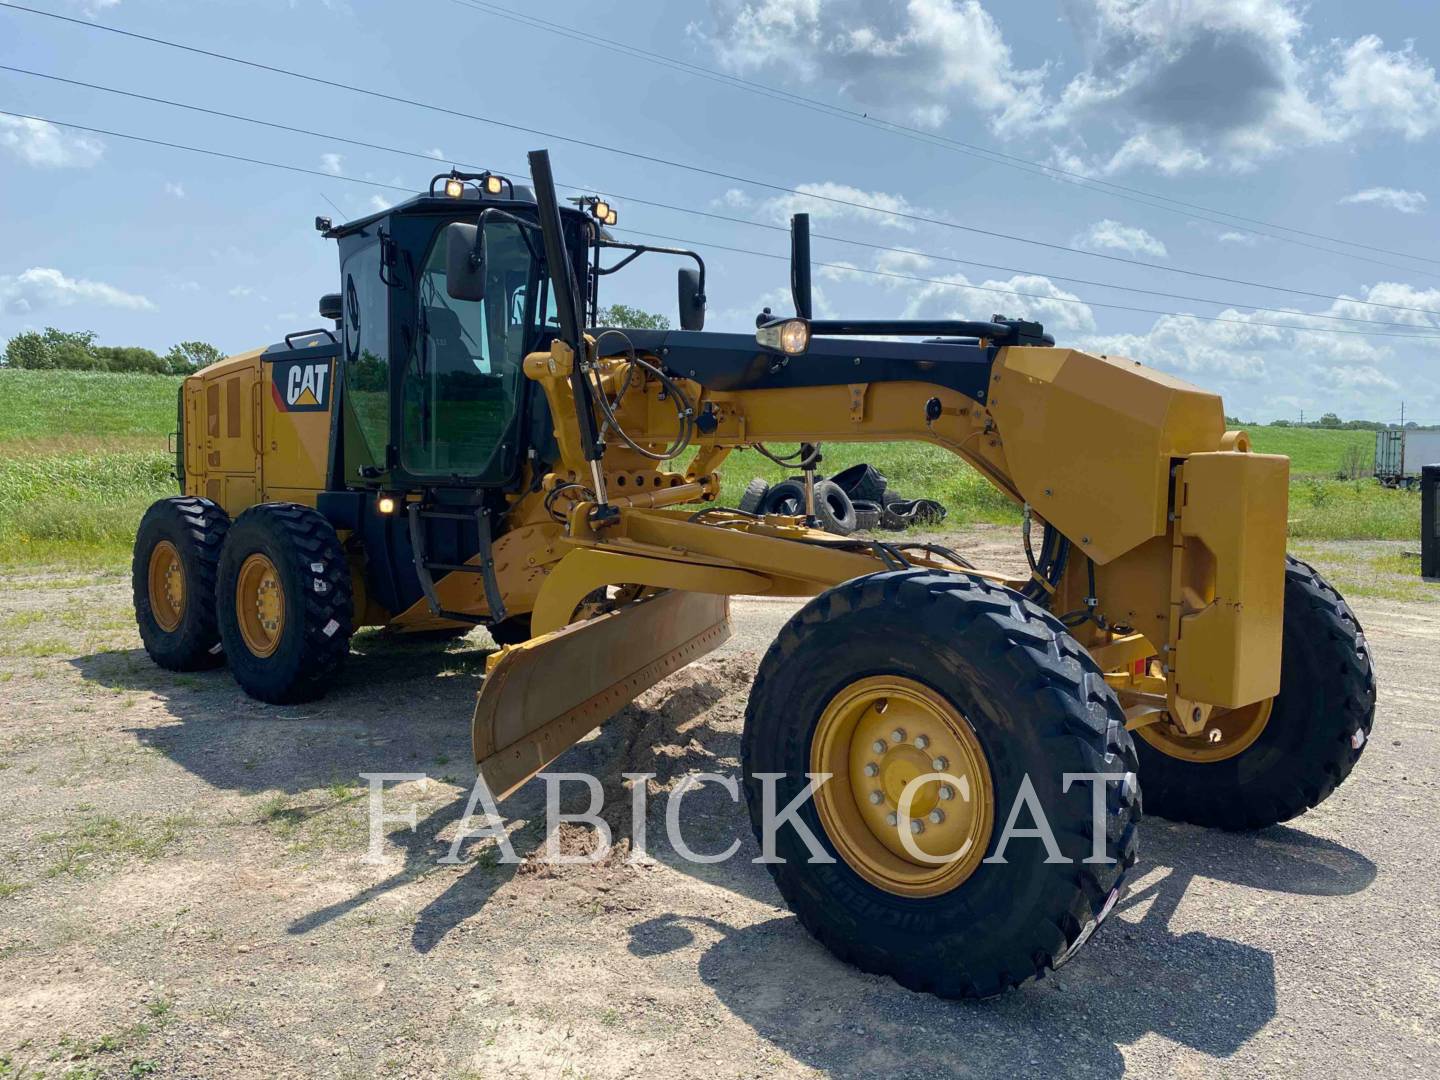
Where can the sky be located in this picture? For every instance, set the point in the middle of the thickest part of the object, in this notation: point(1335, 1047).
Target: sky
point(1139, 175)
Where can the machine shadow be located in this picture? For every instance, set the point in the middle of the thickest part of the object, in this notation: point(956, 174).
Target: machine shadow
point(1139, 976)
point(401, 706)
point(406, 707)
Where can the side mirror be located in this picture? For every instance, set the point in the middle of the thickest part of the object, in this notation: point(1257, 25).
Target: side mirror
point(330, 307)
point(464, 261)
point(692, 300)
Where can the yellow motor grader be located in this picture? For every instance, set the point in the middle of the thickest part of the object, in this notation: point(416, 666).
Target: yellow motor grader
point(466, 448)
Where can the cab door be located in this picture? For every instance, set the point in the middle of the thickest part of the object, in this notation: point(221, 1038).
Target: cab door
point(463, 388)
point(365, 366)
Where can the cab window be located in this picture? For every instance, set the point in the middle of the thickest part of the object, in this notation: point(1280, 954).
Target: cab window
point(464, 378)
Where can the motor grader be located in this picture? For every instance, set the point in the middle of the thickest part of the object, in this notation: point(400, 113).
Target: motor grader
point(466, 448)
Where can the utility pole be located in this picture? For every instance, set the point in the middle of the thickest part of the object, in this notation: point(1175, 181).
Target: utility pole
point(1402, 414)
point(1302, 417)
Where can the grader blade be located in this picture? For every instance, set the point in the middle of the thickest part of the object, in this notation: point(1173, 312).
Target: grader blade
point(543, 696)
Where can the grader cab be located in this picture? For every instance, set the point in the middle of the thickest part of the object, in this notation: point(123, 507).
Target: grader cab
point(465, 448)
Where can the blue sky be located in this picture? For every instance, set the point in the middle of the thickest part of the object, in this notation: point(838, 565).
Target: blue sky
point(1322, 118)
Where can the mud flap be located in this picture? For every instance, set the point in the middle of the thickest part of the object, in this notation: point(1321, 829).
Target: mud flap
point(543, 696)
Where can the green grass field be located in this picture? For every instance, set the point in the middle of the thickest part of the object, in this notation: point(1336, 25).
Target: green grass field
point(82, 454)
point(1313, 451)
point(42, 406)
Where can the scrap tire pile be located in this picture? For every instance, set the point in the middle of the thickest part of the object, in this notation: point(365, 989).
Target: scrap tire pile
point(856, 499)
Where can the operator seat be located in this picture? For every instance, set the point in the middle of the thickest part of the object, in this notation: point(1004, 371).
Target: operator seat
point(450, 353)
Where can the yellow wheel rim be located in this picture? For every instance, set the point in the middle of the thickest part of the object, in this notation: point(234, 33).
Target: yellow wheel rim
point(877, 736)
point(260, 605)
point(166, 578)
point(1229, 732)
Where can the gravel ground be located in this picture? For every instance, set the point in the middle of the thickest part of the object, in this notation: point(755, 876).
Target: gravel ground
point(182, 893)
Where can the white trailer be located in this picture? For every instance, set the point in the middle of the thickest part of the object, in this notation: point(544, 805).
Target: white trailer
point(1400, 453)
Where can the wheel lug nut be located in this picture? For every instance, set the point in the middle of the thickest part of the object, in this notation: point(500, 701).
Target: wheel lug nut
point(917, 827)
point(939, 764)
point(921, 742)
point(876, 798)
point(891, 818)
point(898, 735)
point(947, 792)
point(871, 769)
point(937, 816)
point(878, 746)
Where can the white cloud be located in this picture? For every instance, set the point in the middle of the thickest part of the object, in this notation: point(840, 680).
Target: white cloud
point(44, 145)
point(379, 203)
point(834, 202)
point(1244, 239)
point(734, 198)
point(91, 8)
point(1023, 296)
point(332, 163)
point(1407, 202)
point(1352, 377)
point(40, 288)
point(174, 189)
point(840, 270)
point(1388, 90)
point(436, 153)
point(918, 58)
point(1266, 364)
point(1108, 235)
point(902, 262)
point(242, 291)
point(1169, 86)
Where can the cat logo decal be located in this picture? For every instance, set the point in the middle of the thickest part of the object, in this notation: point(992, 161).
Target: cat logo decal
point(301, 385)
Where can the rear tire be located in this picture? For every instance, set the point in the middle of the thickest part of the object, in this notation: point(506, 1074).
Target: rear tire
point(176, 617)
point(1318, 726)
point(1036, 705)
point(287, 562)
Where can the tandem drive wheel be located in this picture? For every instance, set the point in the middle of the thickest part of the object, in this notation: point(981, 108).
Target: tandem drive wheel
point(284, 603)
point(177, 549)
point(972, 700)
point(1268, 762)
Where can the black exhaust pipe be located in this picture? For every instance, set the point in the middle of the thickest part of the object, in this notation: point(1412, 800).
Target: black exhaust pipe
point(800, 264)
point(562, 282)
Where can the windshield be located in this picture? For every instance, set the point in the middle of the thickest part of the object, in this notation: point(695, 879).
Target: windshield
point(464, 381)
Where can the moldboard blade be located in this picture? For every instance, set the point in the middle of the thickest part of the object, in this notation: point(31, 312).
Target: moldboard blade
point(543, 696)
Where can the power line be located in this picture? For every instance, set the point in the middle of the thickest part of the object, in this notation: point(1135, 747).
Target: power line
point(700, 170)
point(209, 153)
point(984, 153)
point(333, 138)
point(720, 247)
point(1037, 296)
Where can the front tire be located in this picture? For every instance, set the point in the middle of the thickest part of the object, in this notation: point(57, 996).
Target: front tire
point(1313, 731)
point(177, 552)
point(976, 668)
point(284, 602)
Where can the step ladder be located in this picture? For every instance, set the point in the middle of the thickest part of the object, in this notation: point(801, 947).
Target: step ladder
point(425, 569)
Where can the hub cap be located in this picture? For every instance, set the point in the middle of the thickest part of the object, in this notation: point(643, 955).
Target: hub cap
point(260, 604)
point(1229, 732)
point(167, 586)
point(877, 736)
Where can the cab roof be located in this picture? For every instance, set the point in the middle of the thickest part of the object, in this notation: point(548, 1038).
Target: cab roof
point(522, 197)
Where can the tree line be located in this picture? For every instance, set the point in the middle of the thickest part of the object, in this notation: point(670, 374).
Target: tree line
point(75, 350)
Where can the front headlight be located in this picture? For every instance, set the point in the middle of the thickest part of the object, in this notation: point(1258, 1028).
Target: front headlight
point(789, 336)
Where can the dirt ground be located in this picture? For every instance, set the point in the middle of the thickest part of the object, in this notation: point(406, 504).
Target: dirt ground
point(183, 893)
